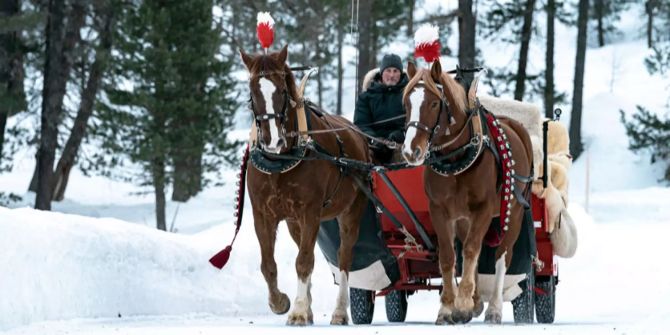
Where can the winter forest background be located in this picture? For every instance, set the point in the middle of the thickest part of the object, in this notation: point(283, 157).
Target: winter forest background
point(148, 91)
point(136, 110)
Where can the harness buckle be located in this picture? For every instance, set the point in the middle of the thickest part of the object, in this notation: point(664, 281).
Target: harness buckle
point(474, 141)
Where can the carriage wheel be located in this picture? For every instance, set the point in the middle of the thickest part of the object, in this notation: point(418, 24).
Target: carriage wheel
point(523, 305)
point(545, 304)
point(362, 306)
point(396, 306)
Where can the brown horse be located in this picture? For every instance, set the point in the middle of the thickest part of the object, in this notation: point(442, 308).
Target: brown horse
point(305, 195)
point(463, 203)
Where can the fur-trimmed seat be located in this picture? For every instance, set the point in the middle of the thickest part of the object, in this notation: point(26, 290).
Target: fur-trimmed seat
point(561, 228)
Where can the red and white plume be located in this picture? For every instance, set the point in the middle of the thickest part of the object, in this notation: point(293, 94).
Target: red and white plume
point(427, 43)
point(265, 29)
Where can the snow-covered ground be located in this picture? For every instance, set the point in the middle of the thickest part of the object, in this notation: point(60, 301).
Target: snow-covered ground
point(96, 265)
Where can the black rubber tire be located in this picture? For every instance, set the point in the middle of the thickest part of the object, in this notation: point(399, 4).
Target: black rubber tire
point(545, 304)
point(362, 306)
point(396, 306)
point(524, 304)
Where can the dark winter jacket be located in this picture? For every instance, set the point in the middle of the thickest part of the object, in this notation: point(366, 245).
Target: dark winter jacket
point(380, 102)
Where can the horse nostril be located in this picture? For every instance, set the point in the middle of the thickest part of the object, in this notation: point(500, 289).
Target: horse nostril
point(417, 153)
point(280, 143)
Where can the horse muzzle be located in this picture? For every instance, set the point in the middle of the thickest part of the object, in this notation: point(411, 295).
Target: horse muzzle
point(413, 157)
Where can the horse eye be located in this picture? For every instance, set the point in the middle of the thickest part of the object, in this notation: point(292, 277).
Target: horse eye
point(434, 105)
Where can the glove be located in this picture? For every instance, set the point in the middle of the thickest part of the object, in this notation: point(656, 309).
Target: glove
point(397, 136)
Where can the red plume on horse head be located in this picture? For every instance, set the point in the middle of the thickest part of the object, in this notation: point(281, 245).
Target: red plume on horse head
point(265, 29)
point(427, 43)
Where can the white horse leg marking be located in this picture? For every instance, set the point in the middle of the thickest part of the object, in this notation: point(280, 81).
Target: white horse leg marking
point(416, 98)
point(494, 311)
point(303, 302)
point(340, 313)
point(268, 88)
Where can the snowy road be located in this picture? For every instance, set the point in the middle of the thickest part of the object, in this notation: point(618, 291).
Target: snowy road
point(616, 284)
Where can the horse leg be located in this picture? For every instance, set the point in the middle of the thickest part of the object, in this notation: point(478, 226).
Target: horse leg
point(444, 229)
point(294, 230)
point(302, 315)
point(266, 232)
point(462, 228)
point(503, 259)
point(349, 226)
point(471, 248)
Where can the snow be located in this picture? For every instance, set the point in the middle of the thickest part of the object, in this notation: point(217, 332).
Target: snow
point(97, 265)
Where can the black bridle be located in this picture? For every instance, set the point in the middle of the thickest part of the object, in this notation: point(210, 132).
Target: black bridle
point(267, 117)
point(444, 107)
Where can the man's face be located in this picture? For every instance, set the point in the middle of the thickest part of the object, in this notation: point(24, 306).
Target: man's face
point(390, 76)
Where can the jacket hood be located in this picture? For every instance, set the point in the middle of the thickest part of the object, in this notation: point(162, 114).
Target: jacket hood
point(373, 81)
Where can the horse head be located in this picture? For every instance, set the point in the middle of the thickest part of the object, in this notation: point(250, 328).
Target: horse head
point(273, 96)
point(431, 99)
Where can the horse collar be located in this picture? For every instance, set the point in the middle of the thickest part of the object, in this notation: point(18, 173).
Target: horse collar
point(470, 151)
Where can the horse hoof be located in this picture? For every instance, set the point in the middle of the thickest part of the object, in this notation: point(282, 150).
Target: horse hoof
point(299, 320)
point(339, 319)
point(493, 318)
point(446, 318)
point(479, 308)
point(462, 316)
point(282, 306)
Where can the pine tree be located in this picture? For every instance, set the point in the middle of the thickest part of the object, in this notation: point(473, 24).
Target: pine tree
point(648, 132)
point(12, 94)
point(607, 13)
point(170, 105)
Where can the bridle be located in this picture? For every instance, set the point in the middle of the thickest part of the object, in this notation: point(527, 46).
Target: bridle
point(267, 117)
point(444, 107)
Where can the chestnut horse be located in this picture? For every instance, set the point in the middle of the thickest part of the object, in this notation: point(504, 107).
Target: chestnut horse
point(463, 203)
point(304, 195)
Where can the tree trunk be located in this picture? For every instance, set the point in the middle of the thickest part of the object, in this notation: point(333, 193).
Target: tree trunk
point(364, 43)
point(526, 33)
point(549, 61)
point(51, 105)
point(319, 81)
point(466, 38)
point(340, 71)
point(66, 162)
point(599, 15)
point(60, 43)
point(12, 96)
point(410, 18)
point(158, 172)
point(650, 5)
point(576, 146)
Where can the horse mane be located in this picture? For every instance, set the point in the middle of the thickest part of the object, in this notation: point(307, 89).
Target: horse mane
point(453, 91)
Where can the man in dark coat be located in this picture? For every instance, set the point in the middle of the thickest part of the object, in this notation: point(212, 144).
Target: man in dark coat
point(382, 100)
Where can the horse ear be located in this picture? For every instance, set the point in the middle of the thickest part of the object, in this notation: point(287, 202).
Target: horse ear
point(246, 59)
point(282, 55)
point(436, 70)
point(411, 70)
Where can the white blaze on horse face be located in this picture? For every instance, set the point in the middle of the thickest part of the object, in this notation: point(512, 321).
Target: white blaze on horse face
point(268, 88)
point(416, 99)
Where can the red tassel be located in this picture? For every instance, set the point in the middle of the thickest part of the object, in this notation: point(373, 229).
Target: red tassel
point(265, 34)
point(429, 51)
point(221, 258)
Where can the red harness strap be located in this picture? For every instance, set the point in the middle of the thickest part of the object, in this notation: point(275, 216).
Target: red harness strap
point(221, 258)
point(495, 235)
